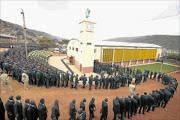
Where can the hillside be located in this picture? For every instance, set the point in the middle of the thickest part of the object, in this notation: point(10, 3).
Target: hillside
point(169, 42)
point(17, 30)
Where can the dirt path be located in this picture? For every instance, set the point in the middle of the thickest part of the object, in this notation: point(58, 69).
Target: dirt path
point(65, 95)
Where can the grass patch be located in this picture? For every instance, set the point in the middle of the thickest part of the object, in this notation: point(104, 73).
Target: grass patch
point(156, 67)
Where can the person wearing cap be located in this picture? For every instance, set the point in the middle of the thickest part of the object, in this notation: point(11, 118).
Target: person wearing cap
point(82, 114)
point(25, 79)
point(32, 111)
point(55, 111)
point(116, 107)
point(82, 104)
point(18, 108)
point(104, 109)
point(2, 110)
point(10, 108)
point(72, 111)
point(26, 105)
point(92, 108)
point(4, 78)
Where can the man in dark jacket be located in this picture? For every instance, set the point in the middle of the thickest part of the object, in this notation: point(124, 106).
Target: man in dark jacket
point(82, 104)
point(55, 110)
point(122, 106)
point(134, 106)
point(76, 82)
point(26, 105)
point(82, 115)
point(92, 108)
point(96, 80)
point(18, 108)
point(149, 102)
point(10, 108)
point(143, 102)
point(104, 109)
point(84, 81)
point(2, 110)
point(32, 111)
point(116, 107)
point(42, 110)
point(127, 107)
point(72, 111)
point(138, 100)
point(90, 81)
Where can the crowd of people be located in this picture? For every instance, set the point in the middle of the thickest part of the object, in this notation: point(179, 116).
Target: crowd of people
point(122, 107)
point(38, 72)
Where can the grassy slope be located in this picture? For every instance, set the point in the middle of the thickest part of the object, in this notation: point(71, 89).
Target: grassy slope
point(157, 66)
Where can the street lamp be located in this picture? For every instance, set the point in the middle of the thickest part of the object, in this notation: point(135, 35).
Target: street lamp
point(24, 27)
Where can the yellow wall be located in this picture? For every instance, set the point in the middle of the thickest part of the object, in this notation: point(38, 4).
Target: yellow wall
point(128, 54)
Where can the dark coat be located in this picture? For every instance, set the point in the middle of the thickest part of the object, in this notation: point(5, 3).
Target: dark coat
point(116, 106)
point(25, 114)
point(144, 100)
point(10, 108)
point(128, 103)
point(138, 100)
point(18, 109)
point(32, 112)
point(122, 104)
point(42, 111)
point(91, 106)
point(82, 116)
point(82, 105)
point(104, 108)
point(2, 110)
point(55, 111)
point(72, 110)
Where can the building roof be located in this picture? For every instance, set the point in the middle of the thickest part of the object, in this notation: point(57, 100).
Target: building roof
point(125, 44)
point(6, 36)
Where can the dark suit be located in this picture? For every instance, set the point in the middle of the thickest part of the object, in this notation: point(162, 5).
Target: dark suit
point(116, 108)
point(82, 105)
point(55, 112)
point(18, 110)
point(25, 114)
point(143, 105)
point(91, 109)
point(10, 109)
point(104, 110)
point(122, 107)
point(32, 112)
point(127, 106)
point(2, 110)
point(42, 111)
point(72, 111)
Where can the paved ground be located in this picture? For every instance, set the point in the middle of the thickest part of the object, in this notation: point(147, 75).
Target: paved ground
point(65, 95)
point(55, 61)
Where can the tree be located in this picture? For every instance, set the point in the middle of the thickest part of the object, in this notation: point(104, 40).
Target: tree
point(65, 41)
point(46, 42)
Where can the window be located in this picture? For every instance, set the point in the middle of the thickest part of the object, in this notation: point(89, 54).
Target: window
point(70, 48)
point(76, 49)
point(81, 43)
point(94, 50)
point(88, 43)
point(73, 48)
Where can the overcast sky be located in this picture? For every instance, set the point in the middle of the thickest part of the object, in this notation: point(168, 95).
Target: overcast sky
point(114, 19)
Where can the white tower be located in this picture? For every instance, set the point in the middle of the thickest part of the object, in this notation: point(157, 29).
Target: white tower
point(87, 46)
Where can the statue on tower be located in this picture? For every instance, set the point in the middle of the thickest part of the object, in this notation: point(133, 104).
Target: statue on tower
point(87, 13)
